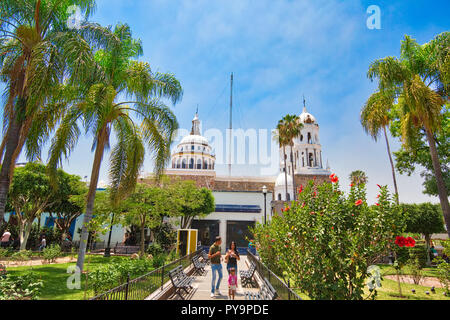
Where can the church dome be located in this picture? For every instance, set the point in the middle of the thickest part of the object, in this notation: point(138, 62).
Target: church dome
point(307, 118)
point(194, 139)
point(194, 151)
point(281, 180)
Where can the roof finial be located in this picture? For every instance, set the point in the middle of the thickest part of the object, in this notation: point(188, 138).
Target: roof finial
point(304, 104)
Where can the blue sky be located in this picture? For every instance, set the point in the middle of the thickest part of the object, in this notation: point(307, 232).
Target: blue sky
point(278, 51)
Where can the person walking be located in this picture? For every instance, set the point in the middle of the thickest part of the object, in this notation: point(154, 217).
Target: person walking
point(232, 257)
point(43, 244)
point(5, 239)
point(215, 256)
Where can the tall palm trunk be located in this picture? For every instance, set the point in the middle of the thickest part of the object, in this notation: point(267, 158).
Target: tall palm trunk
point(103, 136)
point(285, 172)
point(442, 190)
point(12, 141)
point(143, 239)
point(392, 166)
point(293, 175)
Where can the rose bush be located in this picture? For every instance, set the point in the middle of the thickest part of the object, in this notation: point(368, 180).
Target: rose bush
point(325, 241)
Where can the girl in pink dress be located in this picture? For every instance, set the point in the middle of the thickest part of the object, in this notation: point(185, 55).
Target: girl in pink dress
point(232, 283)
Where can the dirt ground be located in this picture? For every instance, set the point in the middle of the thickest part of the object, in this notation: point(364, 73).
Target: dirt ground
point(35, 262)
point(426, 281)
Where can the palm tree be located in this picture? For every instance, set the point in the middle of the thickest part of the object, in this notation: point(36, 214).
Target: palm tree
point(293, 129)
point(358, 177)
point(283, 142)
point(375, 118)
point(420, 82)
point(40, 57)
point(142, 119)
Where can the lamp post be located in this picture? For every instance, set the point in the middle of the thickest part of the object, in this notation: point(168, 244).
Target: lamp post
point(108, 248)
point(264, 190)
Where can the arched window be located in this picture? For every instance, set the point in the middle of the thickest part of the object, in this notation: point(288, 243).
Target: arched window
point(179, 164)
point(199, 164)
point(191, 163)
point(184, 165)
point(279, 197)
point(288, 197)
point(309, 138)
point(205, 165)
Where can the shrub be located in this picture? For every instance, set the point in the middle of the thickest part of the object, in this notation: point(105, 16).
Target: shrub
point(326, 241)
point(159, 260)
point(51, 253)
point(443, 267)
point(103, 279)
point(165, 236)
point(6, 253)
point(23, 287)
point(415, 268)
point(116, 273)
point(24, 255)
point(155, 249)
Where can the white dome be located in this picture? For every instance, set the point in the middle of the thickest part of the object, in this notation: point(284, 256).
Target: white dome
point(307, 117)
point(194, 139)
point(281, 180)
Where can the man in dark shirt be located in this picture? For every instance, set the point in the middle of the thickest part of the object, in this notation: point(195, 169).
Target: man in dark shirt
point(215, 256)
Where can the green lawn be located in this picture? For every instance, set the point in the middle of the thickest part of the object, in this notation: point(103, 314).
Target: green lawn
point(389, 288)
point(55, 278)
point(390, 270)
point(389, 291)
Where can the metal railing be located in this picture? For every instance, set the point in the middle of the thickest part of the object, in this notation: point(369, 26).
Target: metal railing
point(283, 290)
point(142, 287)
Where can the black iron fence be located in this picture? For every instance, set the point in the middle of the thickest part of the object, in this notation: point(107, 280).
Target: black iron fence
point(142, 287)
point(283, 290)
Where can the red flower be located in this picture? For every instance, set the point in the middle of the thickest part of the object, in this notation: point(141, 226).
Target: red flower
point(300, 190)
point(379, 186)
point(332, 228)
point(334, 178)
point(378, 196)
point(410, 242)
point(352, 185)
point(359, 202)
point(315, 194)
point(400, 241)
point(377, 204)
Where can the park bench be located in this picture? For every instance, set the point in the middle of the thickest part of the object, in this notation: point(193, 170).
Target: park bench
point(126, 249)
point(267, 292)
point(247, 275)
point(180, 281)
point(198, 265)
point(205, 258)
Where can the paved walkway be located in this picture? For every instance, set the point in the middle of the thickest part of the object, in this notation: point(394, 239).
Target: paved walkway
point(202, 285)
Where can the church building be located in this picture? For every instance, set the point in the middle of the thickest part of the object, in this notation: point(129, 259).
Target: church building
point(240, 200)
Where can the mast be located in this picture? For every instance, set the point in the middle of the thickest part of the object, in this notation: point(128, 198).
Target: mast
point(231, 128)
